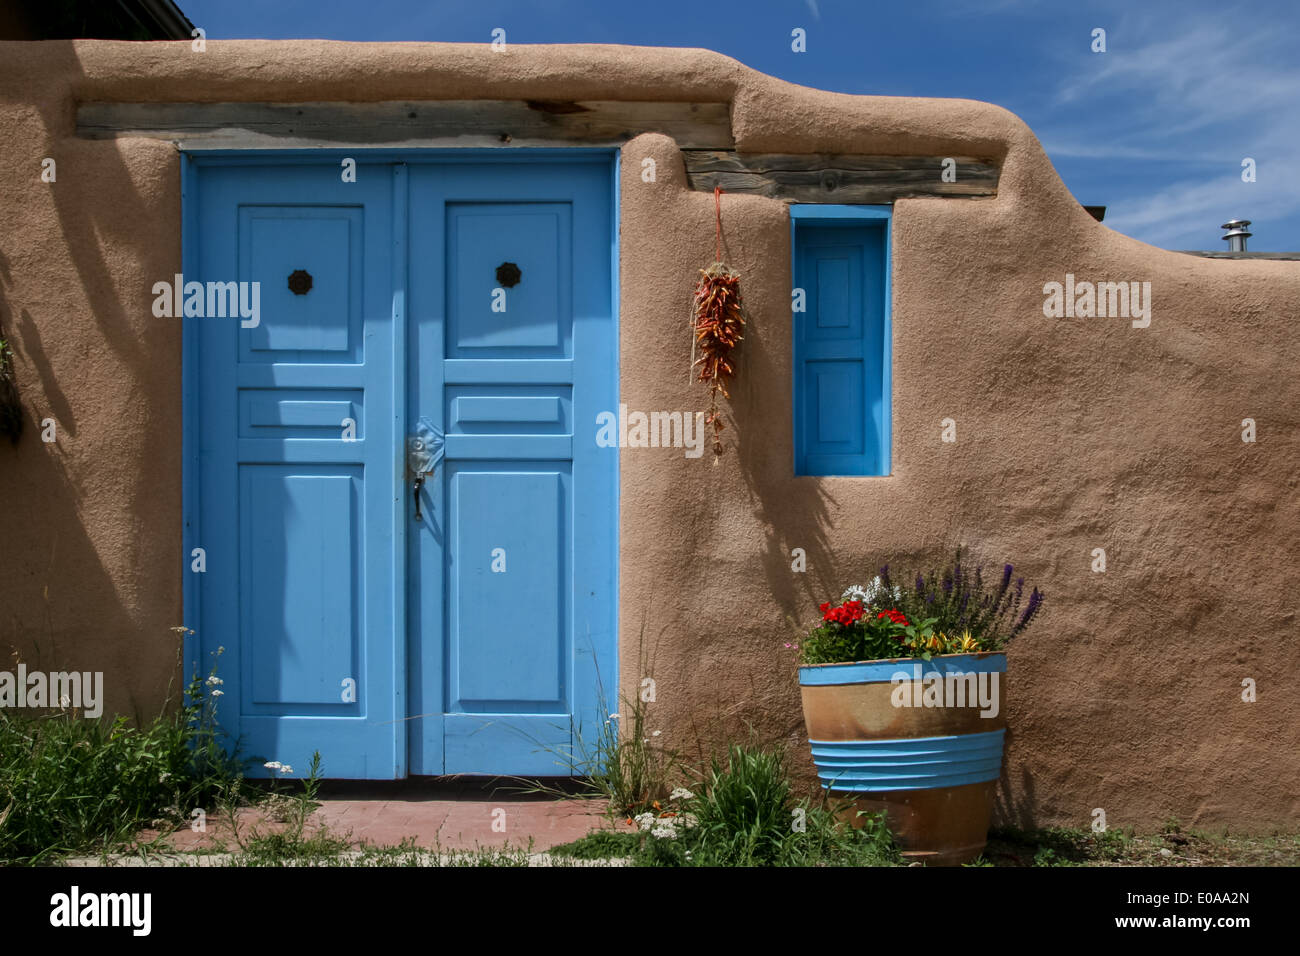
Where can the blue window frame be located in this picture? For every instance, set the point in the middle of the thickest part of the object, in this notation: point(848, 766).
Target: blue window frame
point(841, 330)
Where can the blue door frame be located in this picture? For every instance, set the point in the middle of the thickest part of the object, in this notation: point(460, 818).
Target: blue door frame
point(492, 737)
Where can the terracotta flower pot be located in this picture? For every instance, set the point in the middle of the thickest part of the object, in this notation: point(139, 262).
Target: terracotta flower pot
point(920, 740)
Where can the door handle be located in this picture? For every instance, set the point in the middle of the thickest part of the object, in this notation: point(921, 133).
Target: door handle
point(423, 450)
point(419, 483)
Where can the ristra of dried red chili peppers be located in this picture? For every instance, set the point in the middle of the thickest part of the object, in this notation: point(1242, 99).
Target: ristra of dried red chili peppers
point(718, 323)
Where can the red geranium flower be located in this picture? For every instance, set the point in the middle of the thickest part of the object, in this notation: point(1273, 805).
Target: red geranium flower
point(846, 614)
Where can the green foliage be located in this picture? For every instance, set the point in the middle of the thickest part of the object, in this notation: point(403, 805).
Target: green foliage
point(70, 784)
point(744, 816)
point(293, 845)
point(748, 815)
point(1112, 844)
point(1059, 846)
point(621, 760)
point(961, 601)
point(288, 848)
point(868, 638)
point(952, 610)
point(600, 845)
point(631, 769)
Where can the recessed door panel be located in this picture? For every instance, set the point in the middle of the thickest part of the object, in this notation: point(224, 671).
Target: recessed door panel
point(508, 568)
point(504, 315)
point(322, 247)
point(302, 528)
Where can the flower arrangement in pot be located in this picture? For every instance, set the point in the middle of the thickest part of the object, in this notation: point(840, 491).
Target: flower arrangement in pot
point(904, 694)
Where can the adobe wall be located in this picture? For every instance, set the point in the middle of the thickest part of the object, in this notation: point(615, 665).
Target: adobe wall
point(1073, 434)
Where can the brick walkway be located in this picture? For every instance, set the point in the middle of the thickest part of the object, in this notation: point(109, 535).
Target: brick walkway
point(450, 815)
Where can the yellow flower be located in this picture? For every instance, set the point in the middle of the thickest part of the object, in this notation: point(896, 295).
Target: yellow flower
point(968, 643)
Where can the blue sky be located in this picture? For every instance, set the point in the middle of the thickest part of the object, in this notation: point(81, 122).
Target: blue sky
point(1155, 128)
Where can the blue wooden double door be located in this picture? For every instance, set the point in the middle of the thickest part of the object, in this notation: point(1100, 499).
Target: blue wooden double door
point(408, 531)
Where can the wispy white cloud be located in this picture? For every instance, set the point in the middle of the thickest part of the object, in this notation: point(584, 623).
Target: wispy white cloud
point(1192, 95)
point(1104, 148)
point(1187, 214)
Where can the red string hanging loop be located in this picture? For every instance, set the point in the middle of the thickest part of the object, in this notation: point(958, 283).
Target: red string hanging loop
point(717, 209)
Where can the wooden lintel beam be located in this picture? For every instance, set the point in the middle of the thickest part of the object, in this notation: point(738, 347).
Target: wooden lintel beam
point(811, 177)
point(432, 123)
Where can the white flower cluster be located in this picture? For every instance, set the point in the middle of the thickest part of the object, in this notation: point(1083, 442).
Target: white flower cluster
point(872, 594)
point(667, 827)
point(276, 765)
point(664, 828)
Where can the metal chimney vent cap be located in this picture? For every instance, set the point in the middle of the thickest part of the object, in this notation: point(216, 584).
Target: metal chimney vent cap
point(1236, 235)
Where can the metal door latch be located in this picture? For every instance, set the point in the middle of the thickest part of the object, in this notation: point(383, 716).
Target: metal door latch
point(423, 451)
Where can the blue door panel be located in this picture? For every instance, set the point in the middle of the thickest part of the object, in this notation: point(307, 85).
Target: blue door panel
point(297, 512)
point(840, 351)
point(300, 413)
point(523, 745)
point(300, 587)
point(503, 662)
point(325, 323)
point(508, 573)
point(835, 399)
point(477, 639)
point(537, 315)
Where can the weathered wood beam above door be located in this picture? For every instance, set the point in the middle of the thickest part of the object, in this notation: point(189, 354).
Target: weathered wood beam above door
point(409, 124)
point(811, 178)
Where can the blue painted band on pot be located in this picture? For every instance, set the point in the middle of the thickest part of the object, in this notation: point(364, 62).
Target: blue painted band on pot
point(866, 672)
point(912, 763)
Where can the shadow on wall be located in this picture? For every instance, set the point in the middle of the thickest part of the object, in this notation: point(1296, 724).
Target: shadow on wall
point(1015, 806)
point(767, 713)
point(762, 437)
point(111, 466)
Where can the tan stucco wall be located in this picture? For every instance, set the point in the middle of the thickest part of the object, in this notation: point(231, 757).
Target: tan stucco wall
point(1073, 434)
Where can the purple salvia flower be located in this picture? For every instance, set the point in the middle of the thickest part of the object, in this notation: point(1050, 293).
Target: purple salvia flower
point(1035, 601)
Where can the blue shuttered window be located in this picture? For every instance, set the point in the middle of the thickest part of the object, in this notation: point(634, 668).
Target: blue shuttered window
point(841, 340)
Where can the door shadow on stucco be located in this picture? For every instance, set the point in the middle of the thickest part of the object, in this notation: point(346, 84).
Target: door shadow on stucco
point(34, 351)
point(795, 512)
point(63, 606)
point(61, 609)
point(90, 211)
